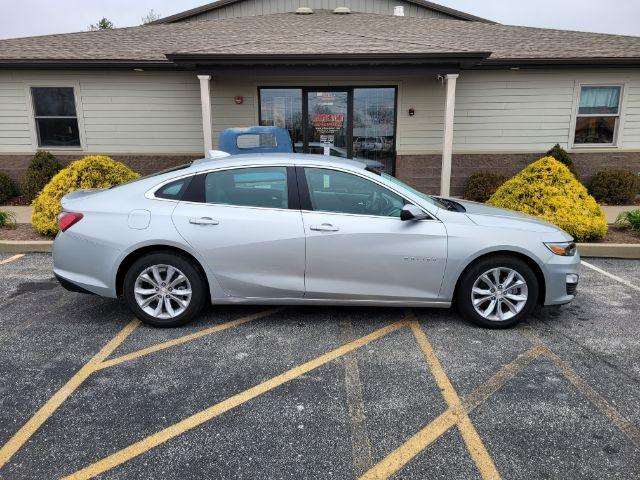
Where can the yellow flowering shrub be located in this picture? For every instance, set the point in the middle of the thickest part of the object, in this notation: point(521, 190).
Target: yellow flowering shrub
point(547, 189)
point(94, 171)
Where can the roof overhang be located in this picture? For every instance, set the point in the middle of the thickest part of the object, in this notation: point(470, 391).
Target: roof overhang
point(534, 63)
point(328, 64)
point(61, 63)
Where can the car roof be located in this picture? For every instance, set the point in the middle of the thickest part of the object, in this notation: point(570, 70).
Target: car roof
point(277, 158)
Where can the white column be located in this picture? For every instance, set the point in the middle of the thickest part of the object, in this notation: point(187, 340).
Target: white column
point(205, 98)
point(447, 137)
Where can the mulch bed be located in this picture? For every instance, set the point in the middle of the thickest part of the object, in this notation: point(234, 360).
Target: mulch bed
point(22, 231)
point(20, 201)
point(620, 235)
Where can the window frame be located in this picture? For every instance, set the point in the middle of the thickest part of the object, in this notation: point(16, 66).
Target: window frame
point(617, 133)
point(305, 194)
point(35, 136)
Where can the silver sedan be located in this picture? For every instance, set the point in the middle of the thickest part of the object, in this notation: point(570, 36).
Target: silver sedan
point(293, 229)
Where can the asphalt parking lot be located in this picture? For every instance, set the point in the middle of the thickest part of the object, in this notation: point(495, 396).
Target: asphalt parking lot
point(85, 390)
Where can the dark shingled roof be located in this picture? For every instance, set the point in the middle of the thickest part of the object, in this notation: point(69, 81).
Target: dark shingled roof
point(322, 33)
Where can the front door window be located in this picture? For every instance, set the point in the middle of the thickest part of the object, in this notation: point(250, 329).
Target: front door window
point(327, 123)
point(357, 123)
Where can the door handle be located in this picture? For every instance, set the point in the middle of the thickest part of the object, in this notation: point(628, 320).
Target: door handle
point(203, 221)
point(325, 227)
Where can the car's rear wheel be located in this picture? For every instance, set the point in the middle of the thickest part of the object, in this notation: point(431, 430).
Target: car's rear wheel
point(497, 292)
point(164, 289)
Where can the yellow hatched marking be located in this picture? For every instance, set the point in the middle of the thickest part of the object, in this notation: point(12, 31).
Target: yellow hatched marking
point(41, 416)
point(207, 414)
point(469, 434)
point(402, 455)
point(11, 259)
point(184, 339)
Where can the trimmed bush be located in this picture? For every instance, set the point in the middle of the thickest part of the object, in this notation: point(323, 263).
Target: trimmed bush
point(94, 171)
point(7, 190)
point(563, 157)
point(7, 219)
point(547, 189)
point(482, 185)
point(630, 219)
point(41, 170)
point(614, 187)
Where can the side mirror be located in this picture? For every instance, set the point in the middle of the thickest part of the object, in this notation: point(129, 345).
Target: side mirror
point(411, 212)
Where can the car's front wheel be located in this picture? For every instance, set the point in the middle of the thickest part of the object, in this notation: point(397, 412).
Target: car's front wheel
point(497, 292)
point(164, 289)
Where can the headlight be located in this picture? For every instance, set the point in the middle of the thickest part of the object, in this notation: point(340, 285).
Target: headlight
point(566, 249)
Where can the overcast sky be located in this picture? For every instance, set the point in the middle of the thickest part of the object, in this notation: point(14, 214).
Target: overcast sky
point(21, 18)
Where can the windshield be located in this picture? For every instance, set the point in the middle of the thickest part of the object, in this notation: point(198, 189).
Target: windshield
point(428, 198)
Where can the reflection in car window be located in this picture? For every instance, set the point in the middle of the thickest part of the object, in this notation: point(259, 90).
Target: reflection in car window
point(340, 192)
point(428, 198)
point(252, 187)
point(173, 190)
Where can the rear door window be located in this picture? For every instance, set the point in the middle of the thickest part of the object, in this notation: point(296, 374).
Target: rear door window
point(173, 190)
point(264, 187)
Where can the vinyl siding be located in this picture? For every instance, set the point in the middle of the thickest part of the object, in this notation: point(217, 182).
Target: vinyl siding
point(159, 113)
point(248, 8)
point(509, 111)
point(119, 112)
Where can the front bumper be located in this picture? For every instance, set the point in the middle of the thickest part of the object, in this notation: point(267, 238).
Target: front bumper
point(561, 278)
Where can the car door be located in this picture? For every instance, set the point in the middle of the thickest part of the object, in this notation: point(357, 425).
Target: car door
point(248, 226)
point(357, 246)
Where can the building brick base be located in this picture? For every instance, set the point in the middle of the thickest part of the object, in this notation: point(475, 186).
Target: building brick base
point(420, 171)
point(423, 171)
point(16, 165)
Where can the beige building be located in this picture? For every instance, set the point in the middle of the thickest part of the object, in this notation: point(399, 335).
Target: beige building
point(424, 91)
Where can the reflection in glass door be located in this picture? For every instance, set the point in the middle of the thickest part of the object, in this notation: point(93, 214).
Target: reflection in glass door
point(352, 122)
point(327, 129)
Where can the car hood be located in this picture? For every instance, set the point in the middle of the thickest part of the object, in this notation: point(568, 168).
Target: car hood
point(488, 216)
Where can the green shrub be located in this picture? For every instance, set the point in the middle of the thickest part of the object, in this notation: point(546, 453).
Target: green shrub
point(7, 219)
point(94, 171)
point(630, 219)
point(561, 155)
point(614, 186)
point(41, 170)
point(7, 190)
point(547, 189)
point(480, 186)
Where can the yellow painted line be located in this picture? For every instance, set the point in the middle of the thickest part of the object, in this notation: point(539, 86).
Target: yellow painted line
point(469, 434)
point(605, 408)
point(597, 400)
point(11, 259)
point(184, 339)
point(203, 416)
point(402, 455)
point(41, 416)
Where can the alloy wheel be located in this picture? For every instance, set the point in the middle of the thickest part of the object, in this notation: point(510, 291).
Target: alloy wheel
point(499, 294)
point(162, 291)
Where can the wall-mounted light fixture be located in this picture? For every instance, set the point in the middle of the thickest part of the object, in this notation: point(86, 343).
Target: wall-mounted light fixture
point(412, 112)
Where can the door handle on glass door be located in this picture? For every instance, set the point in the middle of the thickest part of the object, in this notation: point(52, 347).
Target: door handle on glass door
point(325, 227)
point(203, 221)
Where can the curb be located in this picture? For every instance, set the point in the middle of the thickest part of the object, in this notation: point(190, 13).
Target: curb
point(609, 250)
point(20, 246)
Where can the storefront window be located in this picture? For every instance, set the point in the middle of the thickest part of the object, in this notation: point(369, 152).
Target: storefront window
point(282, 107)
point(374, 119)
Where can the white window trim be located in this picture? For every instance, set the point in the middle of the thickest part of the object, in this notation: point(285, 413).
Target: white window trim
point(32, 115)
point(617, 134)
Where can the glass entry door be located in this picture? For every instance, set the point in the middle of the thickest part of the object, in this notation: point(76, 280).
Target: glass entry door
point(327, 123)
point(352, 122)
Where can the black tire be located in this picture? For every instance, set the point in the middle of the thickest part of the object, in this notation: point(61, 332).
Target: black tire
point(199, 294)
point(464, 301)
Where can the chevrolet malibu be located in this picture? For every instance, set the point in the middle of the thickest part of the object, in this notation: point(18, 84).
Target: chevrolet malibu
point(291, 229)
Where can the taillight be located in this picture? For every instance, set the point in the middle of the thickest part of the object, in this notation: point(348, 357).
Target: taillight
point(67, 219)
